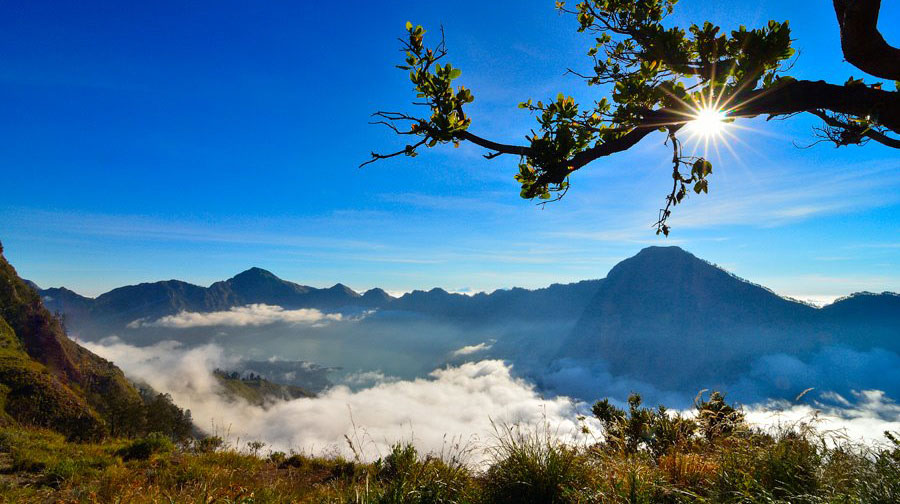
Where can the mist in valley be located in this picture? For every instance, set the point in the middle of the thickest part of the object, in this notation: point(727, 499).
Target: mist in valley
point(388, 376)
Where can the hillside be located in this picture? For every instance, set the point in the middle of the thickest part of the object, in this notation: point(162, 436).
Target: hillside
point(655, 458)
point(51, 380)
point(47, 380)
point(257, 390)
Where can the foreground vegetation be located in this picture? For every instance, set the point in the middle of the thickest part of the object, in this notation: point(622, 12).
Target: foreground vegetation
point(644, 456)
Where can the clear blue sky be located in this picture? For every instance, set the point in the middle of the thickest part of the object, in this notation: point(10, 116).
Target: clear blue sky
point(192, 140)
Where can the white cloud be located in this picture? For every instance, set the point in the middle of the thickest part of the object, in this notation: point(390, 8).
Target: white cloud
point(241, 316)
point(452, 404)
point(864, 420)
point(470, 349)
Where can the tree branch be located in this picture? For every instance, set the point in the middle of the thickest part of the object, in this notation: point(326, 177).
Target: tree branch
point(494, 146)
point(882, 107)
point(839, 125)
point(863, 45)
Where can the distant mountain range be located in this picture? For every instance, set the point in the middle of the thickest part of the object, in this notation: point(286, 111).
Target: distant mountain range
point(663, 316)
point(120, 306)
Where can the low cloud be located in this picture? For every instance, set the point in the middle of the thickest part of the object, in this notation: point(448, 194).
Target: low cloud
point(241, 316)
point(451, 405)
point(865, 417)
point(471, 349)
point(454, 404)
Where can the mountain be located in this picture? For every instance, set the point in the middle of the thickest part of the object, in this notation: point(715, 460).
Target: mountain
point(48, 380)
point(663, 316)
point(865, 319)
point(558, 301)
point(666, 317)
point(114, 310)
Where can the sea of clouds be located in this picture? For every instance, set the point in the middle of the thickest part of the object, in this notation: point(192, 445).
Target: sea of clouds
point(461, 404)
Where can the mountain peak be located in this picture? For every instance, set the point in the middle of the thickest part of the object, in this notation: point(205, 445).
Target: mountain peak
point(255, 272)
point(377, 293)
point(339, 287)
point(658, 262)
point(663, 251)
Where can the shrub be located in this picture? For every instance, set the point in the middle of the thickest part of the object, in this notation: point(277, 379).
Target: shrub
point(533, 467)
point(879, 481)
point(642, 428)
point(404, 477)
point(144, 448)
point(209, 444)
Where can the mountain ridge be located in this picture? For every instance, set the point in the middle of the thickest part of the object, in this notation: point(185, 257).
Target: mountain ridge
point(380, 292)
point(659, 290)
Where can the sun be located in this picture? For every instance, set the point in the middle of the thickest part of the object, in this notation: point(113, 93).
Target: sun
point(708, 122)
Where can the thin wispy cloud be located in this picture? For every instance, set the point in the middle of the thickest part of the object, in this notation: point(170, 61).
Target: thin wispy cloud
point(472, 349)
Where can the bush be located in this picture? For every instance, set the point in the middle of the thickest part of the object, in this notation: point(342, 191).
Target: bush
point(642, 428)
point(879, 481)
point(209, 444)
point(406, 478)
point(533, 467)
point(144, 448)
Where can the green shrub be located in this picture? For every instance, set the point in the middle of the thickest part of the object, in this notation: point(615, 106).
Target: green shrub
point(533, 467)
point(208, 444)
point(642, 428)
point(144, 448)
point(404, 477)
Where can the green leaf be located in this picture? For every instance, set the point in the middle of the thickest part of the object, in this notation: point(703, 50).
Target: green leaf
point(408, 26)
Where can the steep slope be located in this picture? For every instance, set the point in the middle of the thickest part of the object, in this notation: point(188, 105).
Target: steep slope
point(62, 376)
point(669, 318)
point(30, 394)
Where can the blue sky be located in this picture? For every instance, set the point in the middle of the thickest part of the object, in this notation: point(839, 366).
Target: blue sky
point(193, 140)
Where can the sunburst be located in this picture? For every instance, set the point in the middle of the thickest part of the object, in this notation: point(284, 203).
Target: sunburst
point(708, 123)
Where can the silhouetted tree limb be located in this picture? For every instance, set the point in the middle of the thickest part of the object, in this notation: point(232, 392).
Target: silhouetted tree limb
point(863, 45)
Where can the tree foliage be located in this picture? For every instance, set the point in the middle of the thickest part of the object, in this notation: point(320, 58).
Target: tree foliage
point(658, 77)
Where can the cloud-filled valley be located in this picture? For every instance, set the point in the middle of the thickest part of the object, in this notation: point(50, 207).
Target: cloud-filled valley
point(453, 405)
point(432, 366)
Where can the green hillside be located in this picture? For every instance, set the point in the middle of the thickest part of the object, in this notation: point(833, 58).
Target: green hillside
point(47, 380)
point(31, 394)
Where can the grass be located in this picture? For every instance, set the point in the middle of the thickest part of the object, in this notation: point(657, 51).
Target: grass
point(790, 465)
